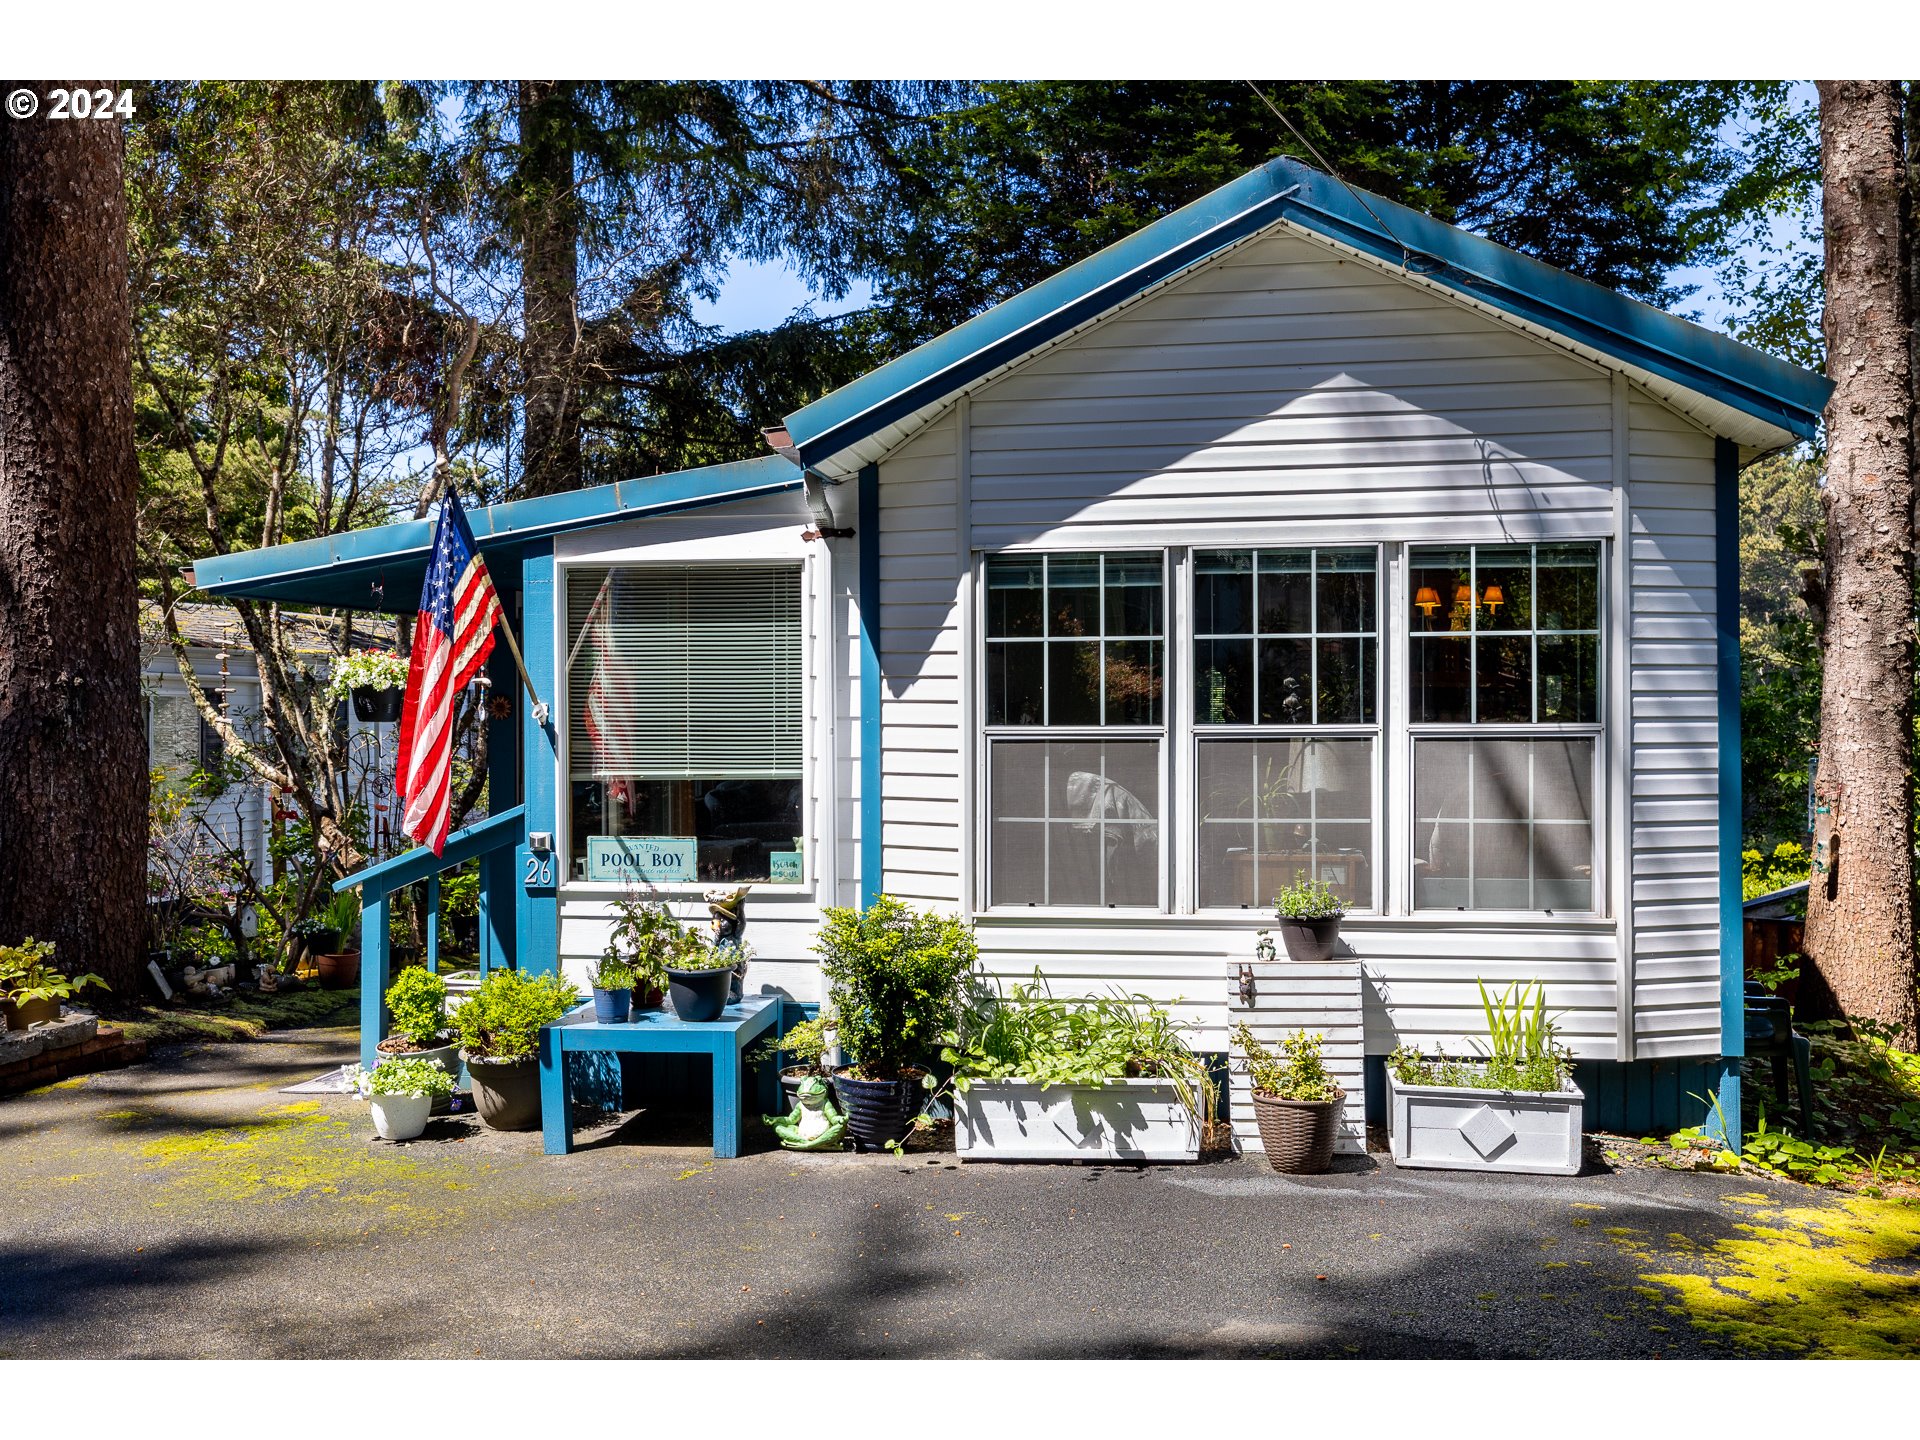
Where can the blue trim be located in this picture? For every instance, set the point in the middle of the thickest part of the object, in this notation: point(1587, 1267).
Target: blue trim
point(374, 964)
point(1726, 556)
point(868, 527)
point(410, 866)
point(537, 918)
point(344, 569)
point(1690, 355)
point(498, 910)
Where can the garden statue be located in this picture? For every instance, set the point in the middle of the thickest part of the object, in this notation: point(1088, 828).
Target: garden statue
point(813, 1124)
point(728, 907)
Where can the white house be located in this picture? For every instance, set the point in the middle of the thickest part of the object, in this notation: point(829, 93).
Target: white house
point(1266, 541)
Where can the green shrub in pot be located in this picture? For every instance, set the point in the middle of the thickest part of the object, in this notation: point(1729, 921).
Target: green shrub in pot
point(31, 989)
point(1296, 1102)
point(417, 1001)
point(1308, 914)
point(499, 1026)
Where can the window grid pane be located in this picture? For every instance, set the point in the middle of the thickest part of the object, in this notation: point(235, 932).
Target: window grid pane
point(1272, 809)
point(1261, 618)
point(1075, 639)
point(1074, 822)
point(1503, 824)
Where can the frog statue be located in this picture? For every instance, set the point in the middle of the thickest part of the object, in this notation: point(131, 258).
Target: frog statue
point(813, 1123)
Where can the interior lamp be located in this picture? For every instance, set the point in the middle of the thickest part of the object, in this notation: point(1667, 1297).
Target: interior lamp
point(1493, 598)
point(1427, 599)
point(1463, 597)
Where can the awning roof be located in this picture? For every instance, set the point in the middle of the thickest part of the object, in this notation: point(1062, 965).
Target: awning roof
point(383, 568)
point(1732, 389)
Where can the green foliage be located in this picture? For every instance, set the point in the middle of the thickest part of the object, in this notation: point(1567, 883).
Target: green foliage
point(1298, 1075)
point(652, 941)
point(1307, 899)
point(703, 955)
point(403, 1075)
point(1764, 874)
point(417, 1000)
point(1522, 1050)
point(27, 974)
point(211, 945)
point(366, 670)
point(612, 973)
point(501, 1020)
point(343, 914)
point(1782, 530)
point(804, 1045)
point(895, 976)
point(1030, 1035)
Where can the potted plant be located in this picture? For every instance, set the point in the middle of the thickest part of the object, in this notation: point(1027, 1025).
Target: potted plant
point(894, 976)
point(650, 939)
point(1308, 914)
point(404, 1091)
point(1516, 1110)
point(377, 680)
point(1037, 1078)
point(805, 1046)
point(499, 1026)
point(417, 1001)
point(700, 981)
point(1296, 1103)
point(313, 937)
point(612, 982)
point(339, 969)
point(31, 990)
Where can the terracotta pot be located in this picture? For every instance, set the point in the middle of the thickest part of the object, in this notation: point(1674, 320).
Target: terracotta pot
point(1310, 941)
point(1297, 1134)
point(339, 971)
point(507, 1095)
point(26, 1013)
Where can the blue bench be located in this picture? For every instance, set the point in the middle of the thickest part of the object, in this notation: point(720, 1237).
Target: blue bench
point(661, 1032)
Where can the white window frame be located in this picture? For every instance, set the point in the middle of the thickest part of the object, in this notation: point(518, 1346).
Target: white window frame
point(1406, 732)
point(721, 551)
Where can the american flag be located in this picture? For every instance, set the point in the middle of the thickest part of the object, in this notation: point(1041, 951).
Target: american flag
point(452, 637)
point(607, 713)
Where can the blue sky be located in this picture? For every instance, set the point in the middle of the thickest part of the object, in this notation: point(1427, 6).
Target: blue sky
point(758, 295)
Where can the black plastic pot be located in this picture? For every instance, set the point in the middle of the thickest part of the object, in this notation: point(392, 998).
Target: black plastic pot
point(321, 942)
point(507, 1096)
point(377, 707)
point(1310, 941)
point(699, 995)
point(879, 1111)
point(612, 1007)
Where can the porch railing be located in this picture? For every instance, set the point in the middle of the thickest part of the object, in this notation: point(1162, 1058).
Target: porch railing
point(377, 883)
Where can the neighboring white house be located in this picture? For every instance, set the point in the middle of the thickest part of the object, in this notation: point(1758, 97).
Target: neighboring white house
point(1268, 540)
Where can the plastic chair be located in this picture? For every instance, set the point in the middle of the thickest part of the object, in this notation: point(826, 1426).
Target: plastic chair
point(1771, 1036)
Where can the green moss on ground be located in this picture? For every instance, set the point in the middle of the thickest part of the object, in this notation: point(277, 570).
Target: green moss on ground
point(244, 1017)
point(1840, 1279)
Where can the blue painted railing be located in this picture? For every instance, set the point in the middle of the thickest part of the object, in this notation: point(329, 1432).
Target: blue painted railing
point(377, 883)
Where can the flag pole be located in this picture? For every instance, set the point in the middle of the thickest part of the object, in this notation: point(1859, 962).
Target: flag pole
point(539, 707)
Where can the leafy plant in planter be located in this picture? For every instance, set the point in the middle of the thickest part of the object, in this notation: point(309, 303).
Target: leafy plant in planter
point(316, 935)
point(1308, 914)
point(403, 1091)
point(804, 1047)
point(612, 981)
point(499, 1026)
point(1296, 1102)
point(651, 940)
point(31, 989)
point(894, 975)
point(340, 968)
point(417, 1001)
point(1132, 1087)
point(700, 979)
point(377, 680)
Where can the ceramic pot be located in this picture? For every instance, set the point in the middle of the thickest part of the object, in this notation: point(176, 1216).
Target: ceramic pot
point(339, 971)
point(699, 995)
point(612, 1007)
point(400, 1117)
point(377, 707)
point(1297, 1135)
point(879, 1111)
point(507, 1095)
point(1310, 941)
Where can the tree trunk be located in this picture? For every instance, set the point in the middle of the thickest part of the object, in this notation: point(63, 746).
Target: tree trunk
point(73, 754)
point(1860, 900)
point(550, 278)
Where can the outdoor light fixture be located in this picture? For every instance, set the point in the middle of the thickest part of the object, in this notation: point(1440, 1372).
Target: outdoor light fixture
point(1428, 599)
point(1493, 598)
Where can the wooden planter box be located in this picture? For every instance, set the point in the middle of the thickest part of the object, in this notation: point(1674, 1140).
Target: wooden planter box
point(1527, 1132)
point(1121, 1120)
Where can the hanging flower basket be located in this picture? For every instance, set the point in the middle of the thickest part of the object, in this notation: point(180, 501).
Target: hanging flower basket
point(377, 681)
point(378, 707)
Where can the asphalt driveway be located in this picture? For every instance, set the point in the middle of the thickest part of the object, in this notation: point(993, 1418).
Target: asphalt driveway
point(185, 1208)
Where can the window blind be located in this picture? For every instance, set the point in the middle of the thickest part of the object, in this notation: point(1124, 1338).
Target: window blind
point(685, 672)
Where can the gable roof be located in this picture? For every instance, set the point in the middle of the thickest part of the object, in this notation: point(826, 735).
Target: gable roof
point(1730, 389)
point(382, 568)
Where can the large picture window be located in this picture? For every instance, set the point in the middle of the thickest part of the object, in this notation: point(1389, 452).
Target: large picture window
point(1285, 701)
point(1504, 640)
point(1075, 710)
point(685, 690)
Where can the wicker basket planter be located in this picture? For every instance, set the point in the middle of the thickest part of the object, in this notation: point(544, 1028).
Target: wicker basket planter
point(1297, 1135)
point(1121, 1120)
point(1446, 1127)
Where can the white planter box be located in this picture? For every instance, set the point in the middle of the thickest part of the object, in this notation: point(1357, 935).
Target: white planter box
point(1121, 1120)
point(1528, 1132)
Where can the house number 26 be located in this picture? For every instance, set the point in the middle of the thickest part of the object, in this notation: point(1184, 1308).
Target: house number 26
point(539, 875)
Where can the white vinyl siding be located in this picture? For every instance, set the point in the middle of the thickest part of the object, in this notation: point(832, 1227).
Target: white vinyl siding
point(1283, 396)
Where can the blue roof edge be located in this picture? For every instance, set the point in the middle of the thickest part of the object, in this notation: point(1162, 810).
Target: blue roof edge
point(1636, 333)
point(510, 523)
